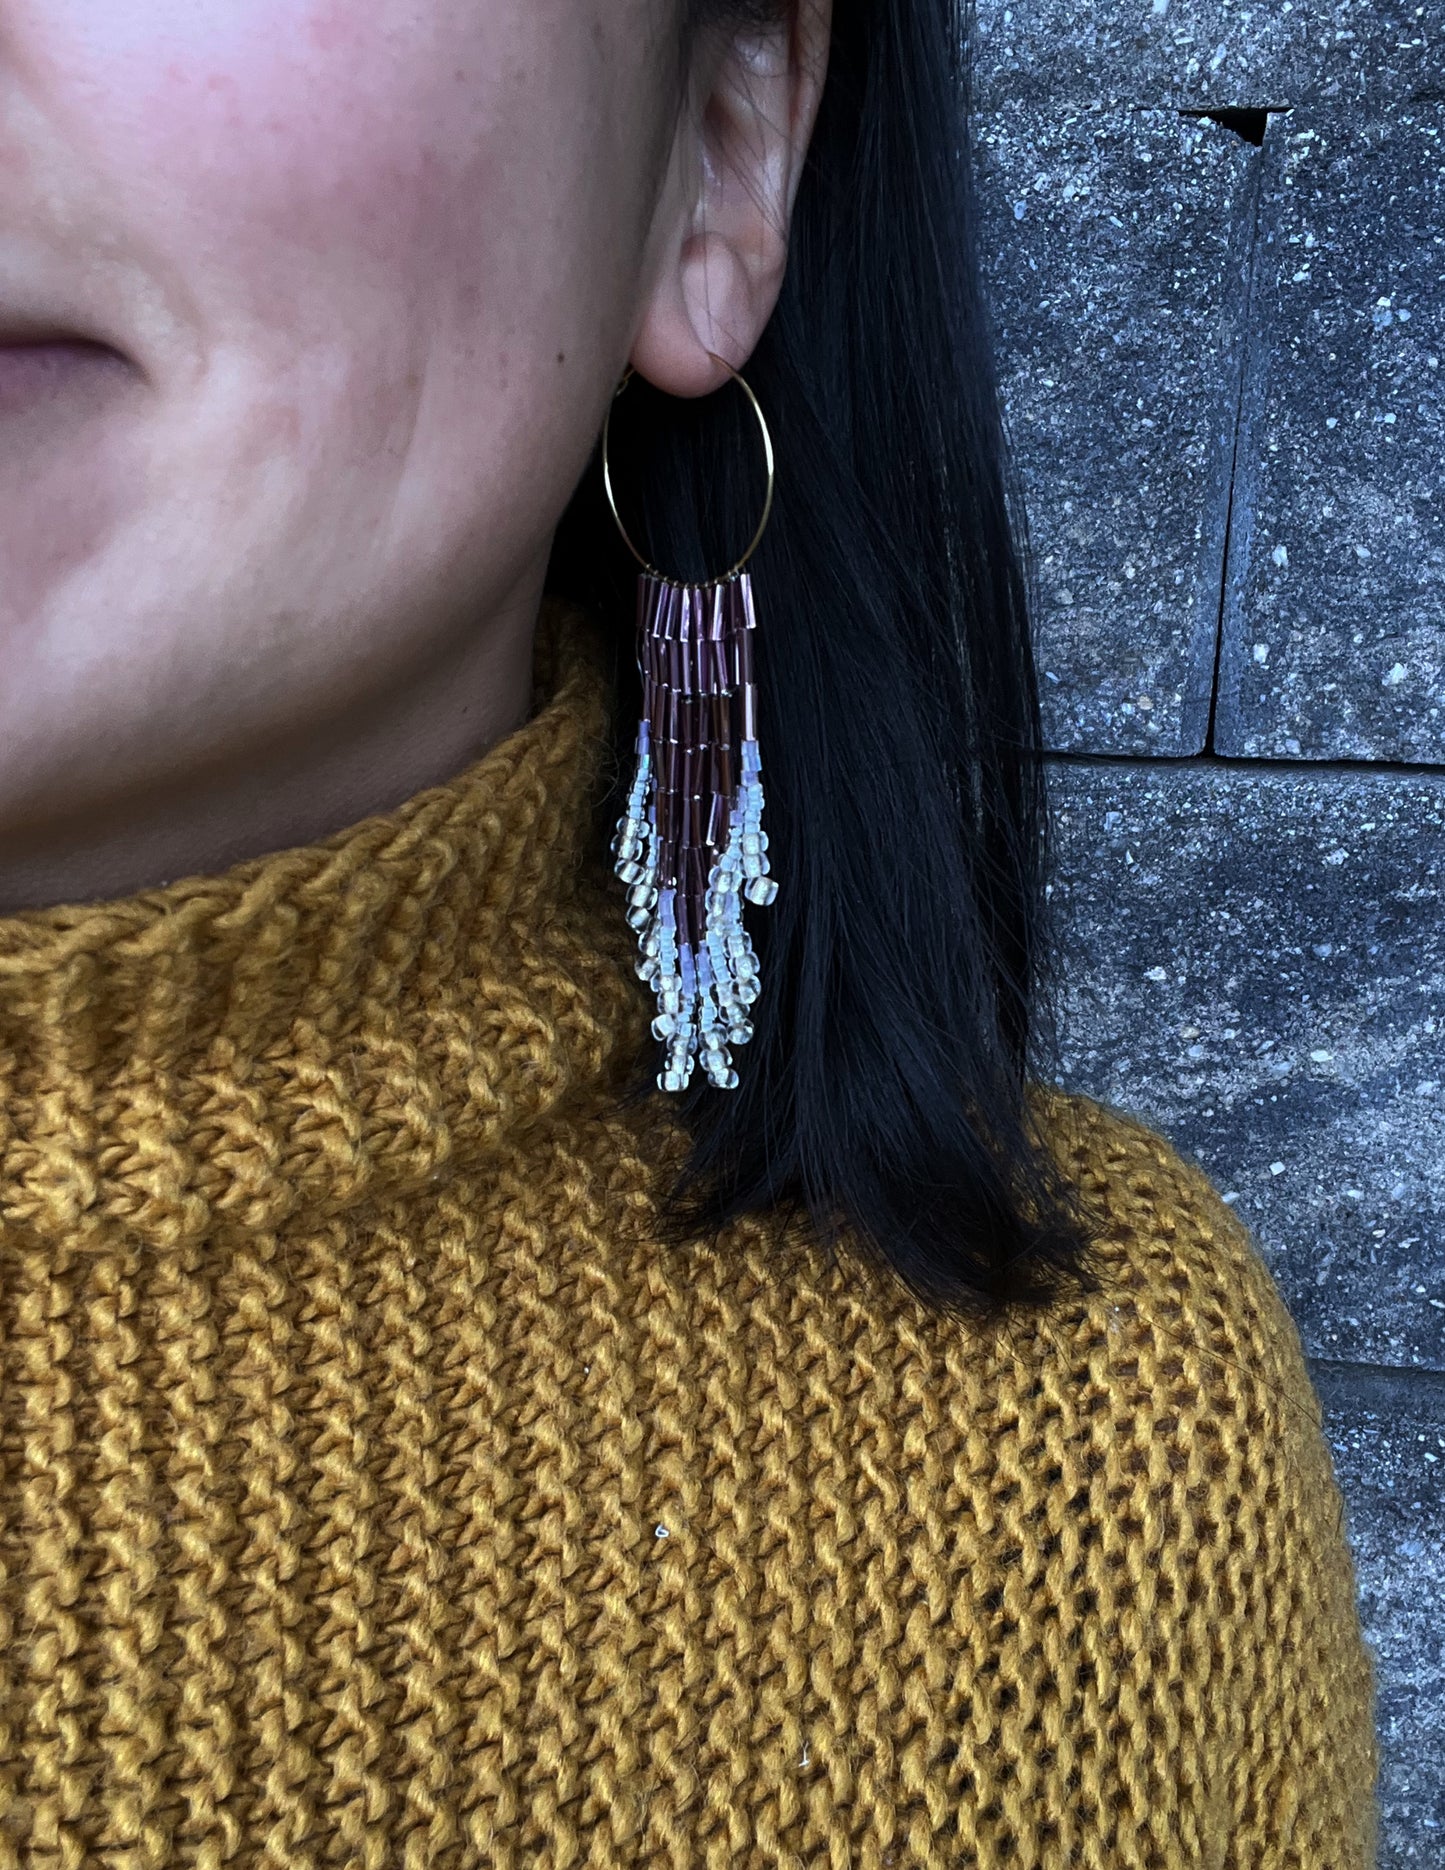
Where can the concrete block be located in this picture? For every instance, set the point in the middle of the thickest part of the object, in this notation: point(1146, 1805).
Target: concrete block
point(1115, 249)
point(1387, 1436)
point(1220, 52)
point(1255, 965)
point(1334, 627)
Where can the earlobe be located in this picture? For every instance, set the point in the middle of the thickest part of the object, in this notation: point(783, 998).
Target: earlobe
point(718, 294)
point(703, 304)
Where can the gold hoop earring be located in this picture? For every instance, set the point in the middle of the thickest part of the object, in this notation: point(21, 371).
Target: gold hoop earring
point(767, 438)
point(690, 844)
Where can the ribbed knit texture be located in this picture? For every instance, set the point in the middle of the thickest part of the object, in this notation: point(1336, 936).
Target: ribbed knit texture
point(376, 1490)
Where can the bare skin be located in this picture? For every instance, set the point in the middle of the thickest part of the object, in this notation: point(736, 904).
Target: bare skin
point(368, 277)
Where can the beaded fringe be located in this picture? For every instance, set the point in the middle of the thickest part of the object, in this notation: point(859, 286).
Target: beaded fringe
point(691, 843)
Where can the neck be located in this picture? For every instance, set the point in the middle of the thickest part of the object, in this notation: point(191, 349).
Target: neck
point(319, 779)
point(335, 1022)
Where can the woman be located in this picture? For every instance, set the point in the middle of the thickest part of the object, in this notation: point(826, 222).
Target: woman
point(434, 1434)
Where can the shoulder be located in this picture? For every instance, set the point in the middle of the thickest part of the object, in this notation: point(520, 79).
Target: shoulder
point(1180, 1266)
point(1192, 1339)
point(1178, 1404)
point(1198, 1368)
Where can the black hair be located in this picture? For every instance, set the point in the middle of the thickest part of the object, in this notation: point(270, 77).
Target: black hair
point(909, 964)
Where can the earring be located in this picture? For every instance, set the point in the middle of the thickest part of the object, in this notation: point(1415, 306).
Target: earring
point(691, 843)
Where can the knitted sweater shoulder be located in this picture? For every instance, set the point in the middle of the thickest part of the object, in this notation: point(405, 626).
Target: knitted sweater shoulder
point(376, 1490)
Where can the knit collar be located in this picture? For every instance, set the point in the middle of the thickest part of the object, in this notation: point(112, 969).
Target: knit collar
point(338, 1021)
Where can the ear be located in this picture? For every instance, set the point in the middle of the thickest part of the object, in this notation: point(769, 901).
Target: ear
point(718, 246)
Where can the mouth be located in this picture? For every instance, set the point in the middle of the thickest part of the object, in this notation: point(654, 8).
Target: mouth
point(21, 325)
point(52, 341)
point(36, 340)
point(40, 368)
point(31, 328)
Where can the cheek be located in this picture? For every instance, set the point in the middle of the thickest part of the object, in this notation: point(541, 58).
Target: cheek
point(318, 153)
point(305, 166)
point(354, 239)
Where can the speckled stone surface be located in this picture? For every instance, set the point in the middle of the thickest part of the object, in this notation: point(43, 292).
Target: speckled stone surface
point(1334, 625)
point(1257, 967)
point(1221, 52)
point(1387, 1436)
point(1256, 952)
point(1115, 246)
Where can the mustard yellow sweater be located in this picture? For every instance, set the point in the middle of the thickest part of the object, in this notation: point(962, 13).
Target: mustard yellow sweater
point(376, 1491)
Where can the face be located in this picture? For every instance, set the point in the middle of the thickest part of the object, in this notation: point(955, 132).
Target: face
point(372, 273)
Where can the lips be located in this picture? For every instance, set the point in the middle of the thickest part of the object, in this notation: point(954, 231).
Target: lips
point(28, 320)
point(27, 331)
point(55, 341)
point(42, 379)
point(43, 364)
point(21, 331)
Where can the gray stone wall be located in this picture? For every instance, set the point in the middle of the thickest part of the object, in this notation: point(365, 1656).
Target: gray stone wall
point(1222, 347)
